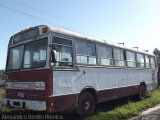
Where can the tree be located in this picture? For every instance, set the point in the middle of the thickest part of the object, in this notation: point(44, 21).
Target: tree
point(2, 75)
point(157, 54)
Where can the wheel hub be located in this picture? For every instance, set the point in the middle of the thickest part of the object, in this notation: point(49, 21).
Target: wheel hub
point(86, 105)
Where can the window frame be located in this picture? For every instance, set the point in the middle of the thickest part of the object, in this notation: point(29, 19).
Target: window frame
point(124, 54)
point(151, 63)
point(72, 53)
point(140, 63)
point(24, 44)
point(46, 54)
point(86, 54)
point(8, 57)
point(111, 60)
point(129, 60)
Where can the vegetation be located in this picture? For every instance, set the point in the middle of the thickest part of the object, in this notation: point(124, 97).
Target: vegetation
point(129, 110)
point(1, 72)
point(2, 75)
point(3, 108)
point(1, 93)
point(157, 54)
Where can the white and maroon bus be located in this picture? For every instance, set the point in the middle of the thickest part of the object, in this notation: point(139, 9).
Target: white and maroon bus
point(54, 69)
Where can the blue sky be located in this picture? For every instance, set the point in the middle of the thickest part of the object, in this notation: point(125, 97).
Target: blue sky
point(134, 22)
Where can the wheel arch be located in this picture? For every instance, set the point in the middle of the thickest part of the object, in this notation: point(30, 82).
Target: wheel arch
point(91, 90)
point(143, 83)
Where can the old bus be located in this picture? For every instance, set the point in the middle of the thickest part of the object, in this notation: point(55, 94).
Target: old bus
point(54, 69)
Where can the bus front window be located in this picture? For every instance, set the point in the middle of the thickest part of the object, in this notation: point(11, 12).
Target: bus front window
point(35, 54)
point(15, 57)
point(63, 55)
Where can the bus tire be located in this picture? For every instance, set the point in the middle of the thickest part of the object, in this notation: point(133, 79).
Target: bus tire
point(142, 92)
point(86, 104)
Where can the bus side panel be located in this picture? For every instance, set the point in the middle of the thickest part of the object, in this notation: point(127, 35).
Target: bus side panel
point(66, 88)
point(110, 83)
point(64, 102)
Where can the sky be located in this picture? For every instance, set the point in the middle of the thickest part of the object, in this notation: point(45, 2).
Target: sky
point(134, 22)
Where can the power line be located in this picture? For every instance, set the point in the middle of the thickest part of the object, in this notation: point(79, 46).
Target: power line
point(45, 12)
point(29, 15)
point(32, 16)
point(26, 14)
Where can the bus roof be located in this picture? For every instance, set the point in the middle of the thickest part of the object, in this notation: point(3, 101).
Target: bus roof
point(90, 38)
point(83, 36)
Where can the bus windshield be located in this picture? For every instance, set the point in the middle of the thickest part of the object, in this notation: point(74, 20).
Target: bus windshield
point(15, 57)
point(30, 55)
point(35, 54)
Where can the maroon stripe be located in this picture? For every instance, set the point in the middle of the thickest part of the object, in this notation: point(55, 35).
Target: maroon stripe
point(65, 102)
point(110, 94)
point(28, 94)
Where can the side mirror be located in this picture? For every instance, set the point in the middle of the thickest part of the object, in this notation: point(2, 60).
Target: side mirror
point(53, 57)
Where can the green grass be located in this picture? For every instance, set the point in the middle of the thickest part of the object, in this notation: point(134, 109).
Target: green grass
point(1, 93)
point(3, 108)
point(129, 109)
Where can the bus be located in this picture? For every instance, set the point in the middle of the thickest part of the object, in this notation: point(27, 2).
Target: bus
point(54, 69)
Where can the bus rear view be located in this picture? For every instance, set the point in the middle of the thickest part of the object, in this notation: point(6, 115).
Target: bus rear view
point(29, 81)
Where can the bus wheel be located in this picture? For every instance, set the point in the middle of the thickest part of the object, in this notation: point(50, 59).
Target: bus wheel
point(86, 104)
point(142, 92)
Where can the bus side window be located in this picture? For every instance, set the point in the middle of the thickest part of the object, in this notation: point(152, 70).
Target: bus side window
point(119, 57)
point(131, 59)
point(91, 53)
point(81, 51)
point(140, 60)
point(152, 61)
point(147, 61)
point(86, 52)
point(105, 55)
point(63, 48)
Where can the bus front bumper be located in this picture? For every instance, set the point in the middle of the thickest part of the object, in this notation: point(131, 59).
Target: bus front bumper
point(26, 104)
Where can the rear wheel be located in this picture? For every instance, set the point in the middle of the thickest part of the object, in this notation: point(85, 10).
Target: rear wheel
point(142, 92)
point(86, 104)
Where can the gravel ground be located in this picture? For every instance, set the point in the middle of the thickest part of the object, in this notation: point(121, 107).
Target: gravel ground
point(152, 115)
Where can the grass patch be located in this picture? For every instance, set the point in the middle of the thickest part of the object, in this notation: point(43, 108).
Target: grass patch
point(3, 108)
point(1, 93)
point(130, 109)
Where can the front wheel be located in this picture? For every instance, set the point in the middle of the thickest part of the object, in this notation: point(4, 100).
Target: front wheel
point(86, 104)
